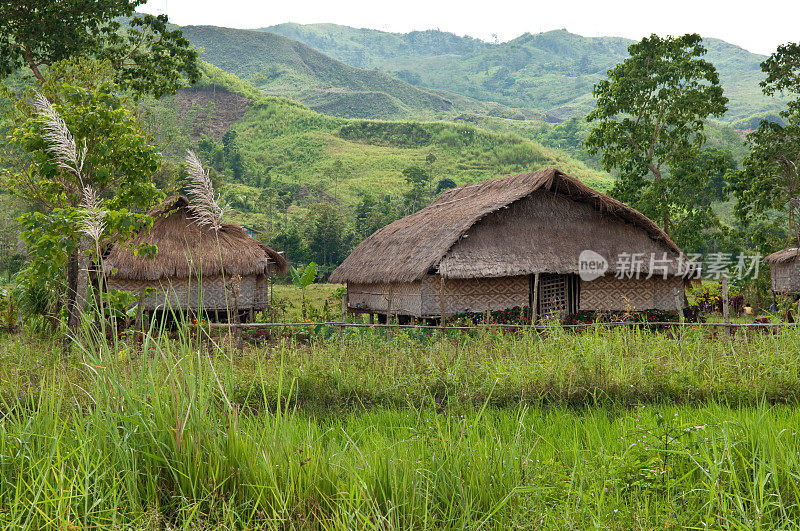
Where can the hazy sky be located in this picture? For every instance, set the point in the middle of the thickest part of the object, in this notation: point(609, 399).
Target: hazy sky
point(758, 26)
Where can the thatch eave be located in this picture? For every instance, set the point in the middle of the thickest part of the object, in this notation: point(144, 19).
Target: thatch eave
point(409, 248)
point(783, 256)
point(189, 250)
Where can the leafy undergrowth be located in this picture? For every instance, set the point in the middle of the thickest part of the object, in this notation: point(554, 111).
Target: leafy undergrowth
point(598, 429)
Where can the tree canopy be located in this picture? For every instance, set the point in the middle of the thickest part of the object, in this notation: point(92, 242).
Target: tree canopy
point(650, 114)
point(769, 181)
point(147, 55)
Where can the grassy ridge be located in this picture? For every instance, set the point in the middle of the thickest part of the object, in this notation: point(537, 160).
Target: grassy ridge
point(283, 67)
point(549, 72)
point(283, 141)
point(170, 436)
point(299, 145)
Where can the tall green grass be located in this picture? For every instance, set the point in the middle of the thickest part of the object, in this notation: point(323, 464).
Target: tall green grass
point(172, 433)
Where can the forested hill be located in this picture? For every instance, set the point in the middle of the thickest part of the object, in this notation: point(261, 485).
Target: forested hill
point(284, 67)
point(549, 72)
point(314, 184)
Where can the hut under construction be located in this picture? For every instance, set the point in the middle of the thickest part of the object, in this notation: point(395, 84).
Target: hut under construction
point(785, 270)
point(513, 242)
point(196, 269)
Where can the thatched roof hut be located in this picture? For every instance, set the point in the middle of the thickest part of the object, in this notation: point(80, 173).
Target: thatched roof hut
point(785, 270)
point(195, 266)
point(478, 247)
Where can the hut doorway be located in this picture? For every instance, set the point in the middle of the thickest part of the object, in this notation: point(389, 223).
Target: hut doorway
point(559, 295)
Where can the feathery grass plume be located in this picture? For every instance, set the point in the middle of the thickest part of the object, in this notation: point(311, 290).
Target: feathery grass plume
point(205, 204)
point(60, 142)
point(92, 222)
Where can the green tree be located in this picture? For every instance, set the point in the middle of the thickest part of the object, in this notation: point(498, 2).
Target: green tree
point(769, 182)
point(86, 143)
point(650, 114)
point(371, 214)
point(289, 240)
point(700, 182)
point(233, 158)
point(418, 195)
point(337, 172)
point(444, 184)
point(147, 56)
point(302, 278)
point(327, 234)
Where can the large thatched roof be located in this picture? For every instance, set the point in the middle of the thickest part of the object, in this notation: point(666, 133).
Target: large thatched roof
point(783, 256)
point(407, 249)
point(186, 249)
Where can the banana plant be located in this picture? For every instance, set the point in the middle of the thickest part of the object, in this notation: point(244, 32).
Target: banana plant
point(302, 278)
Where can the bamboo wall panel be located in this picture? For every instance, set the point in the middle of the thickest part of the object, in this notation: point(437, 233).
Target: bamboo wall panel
point(210, 293)
point(609, 293)
point(406, 297)
point(786, 277)
point(476, 294)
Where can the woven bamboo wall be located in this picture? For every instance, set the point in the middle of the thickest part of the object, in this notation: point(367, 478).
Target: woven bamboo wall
point(406, 297)
point(612, 294)
point(211, 293)
point(421, 299)
point(475, 294)
point(786, 277)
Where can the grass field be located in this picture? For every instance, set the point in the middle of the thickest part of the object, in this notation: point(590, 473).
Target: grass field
point(604, 428)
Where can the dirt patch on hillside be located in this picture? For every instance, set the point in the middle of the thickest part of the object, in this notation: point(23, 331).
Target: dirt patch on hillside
point(207, 119)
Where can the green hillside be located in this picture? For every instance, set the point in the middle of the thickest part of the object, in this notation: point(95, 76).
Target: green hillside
point(283, 67)
point(281, 162)
point(551, 72)
point(289, 142)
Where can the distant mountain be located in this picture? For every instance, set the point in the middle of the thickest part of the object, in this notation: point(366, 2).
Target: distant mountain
point(281, 66)
point(369, 48)
point(551, 72)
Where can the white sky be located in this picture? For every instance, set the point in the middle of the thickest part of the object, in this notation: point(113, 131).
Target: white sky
point(758, 26)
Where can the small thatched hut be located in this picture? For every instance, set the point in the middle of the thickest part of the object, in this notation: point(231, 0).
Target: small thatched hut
point(196, 267)
point(785, 270)
point(511, 242)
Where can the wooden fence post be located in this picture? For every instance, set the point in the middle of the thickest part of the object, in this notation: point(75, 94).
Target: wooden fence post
point(344, 319)
point(726, 310)
point(389, 313)
point(443, 317)
point(236, 284)
point(679, 306)
point(535, 303)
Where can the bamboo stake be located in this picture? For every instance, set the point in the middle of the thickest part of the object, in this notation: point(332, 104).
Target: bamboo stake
point(344, 319)
point(726, 310)
point(389, 312)
point(443, 317)
point(679, 305)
